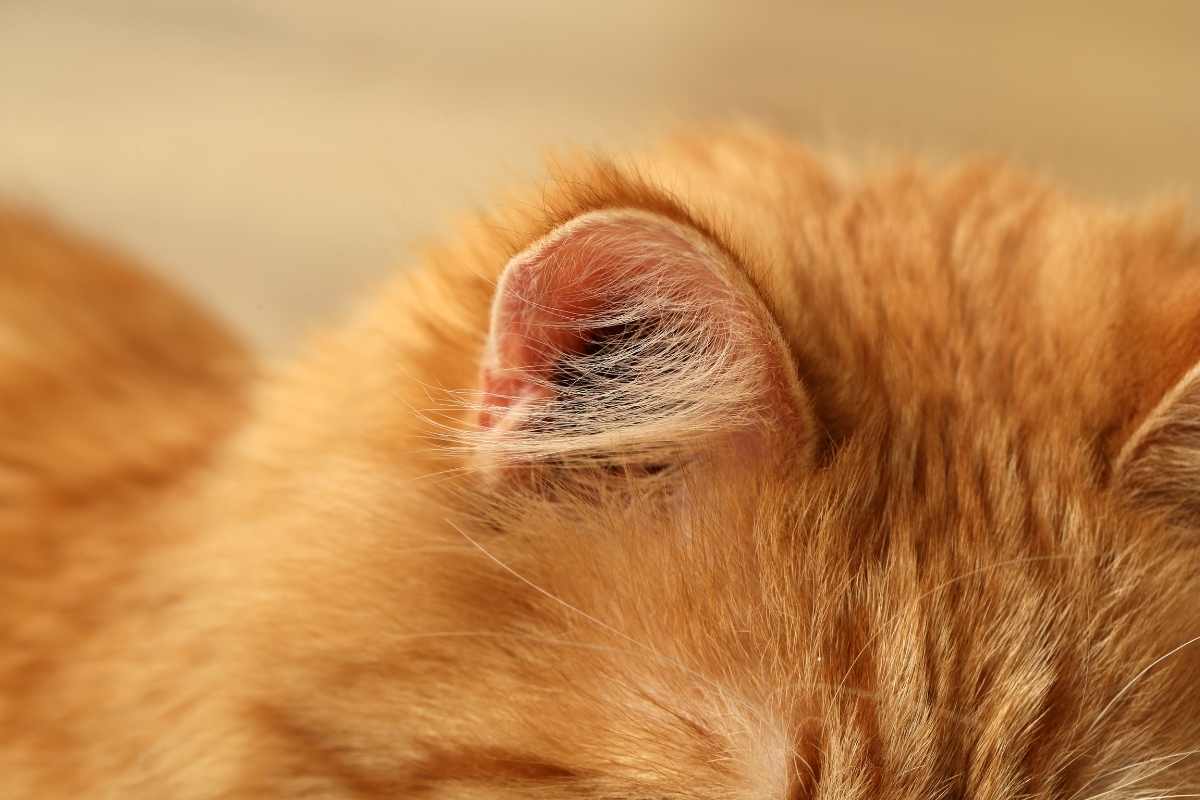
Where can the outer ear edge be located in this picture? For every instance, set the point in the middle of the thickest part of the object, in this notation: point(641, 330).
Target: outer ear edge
point(1163, 415)
point(1160, 463)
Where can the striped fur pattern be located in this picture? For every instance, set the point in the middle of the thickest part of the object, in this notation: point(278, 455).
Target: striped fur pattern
point(725, 472)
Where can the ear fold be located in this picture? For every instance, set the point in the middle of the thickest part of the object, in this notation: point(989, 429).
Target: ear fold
point(1160, 464)
point(624, 337)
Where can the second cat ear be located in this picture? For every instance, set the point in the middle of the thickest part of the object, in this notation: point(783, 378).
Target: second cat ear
point(1160, 464)
point(625, 337)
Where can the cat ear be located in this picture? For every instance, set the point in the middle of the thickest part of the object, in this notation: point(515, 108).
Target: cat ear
point(625, 337)
point(1160, 464)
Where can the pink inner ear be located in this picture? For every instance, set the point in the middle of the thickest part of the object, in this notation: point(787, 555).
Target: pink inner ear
point(593, 264)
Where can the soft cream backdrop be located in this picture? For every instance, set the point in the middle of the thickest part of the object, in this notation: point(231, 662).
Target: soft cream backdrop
point(274, 155)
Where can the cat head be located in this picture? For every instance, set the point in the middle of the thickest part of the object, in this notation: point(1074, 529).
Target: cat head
point(731, 476)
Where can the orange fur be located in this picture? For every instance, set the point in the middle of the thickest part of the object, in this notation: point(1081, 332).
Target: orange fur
point(303, 585)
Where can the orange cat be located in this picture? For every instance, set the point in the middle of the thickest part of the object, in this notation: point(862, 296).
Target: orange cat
point(718, 474)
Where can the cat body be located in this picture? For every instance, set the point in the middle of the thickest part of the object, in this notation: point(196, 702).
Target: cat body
point(717, 473)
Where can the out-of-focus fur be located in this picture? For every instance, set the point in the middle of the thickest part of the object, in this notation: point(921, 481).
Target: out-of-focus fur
point(115, 393)
point(963, 564)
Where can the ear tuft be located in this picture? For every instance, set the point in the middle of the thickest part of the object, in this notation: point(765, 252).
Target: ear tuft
point(622, 337)
point(1160, 464)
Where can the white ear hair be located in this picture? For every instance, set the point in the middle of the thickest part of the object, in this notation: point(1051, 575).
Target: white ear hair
point(621, 336)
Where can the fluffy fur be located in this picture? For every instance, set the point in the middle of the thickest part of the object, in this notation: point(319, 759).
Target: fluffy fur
point(942, 543)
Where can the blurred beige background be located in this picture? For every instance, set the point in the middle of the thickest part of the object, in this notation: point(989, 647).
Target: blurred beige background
point(273, 155)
